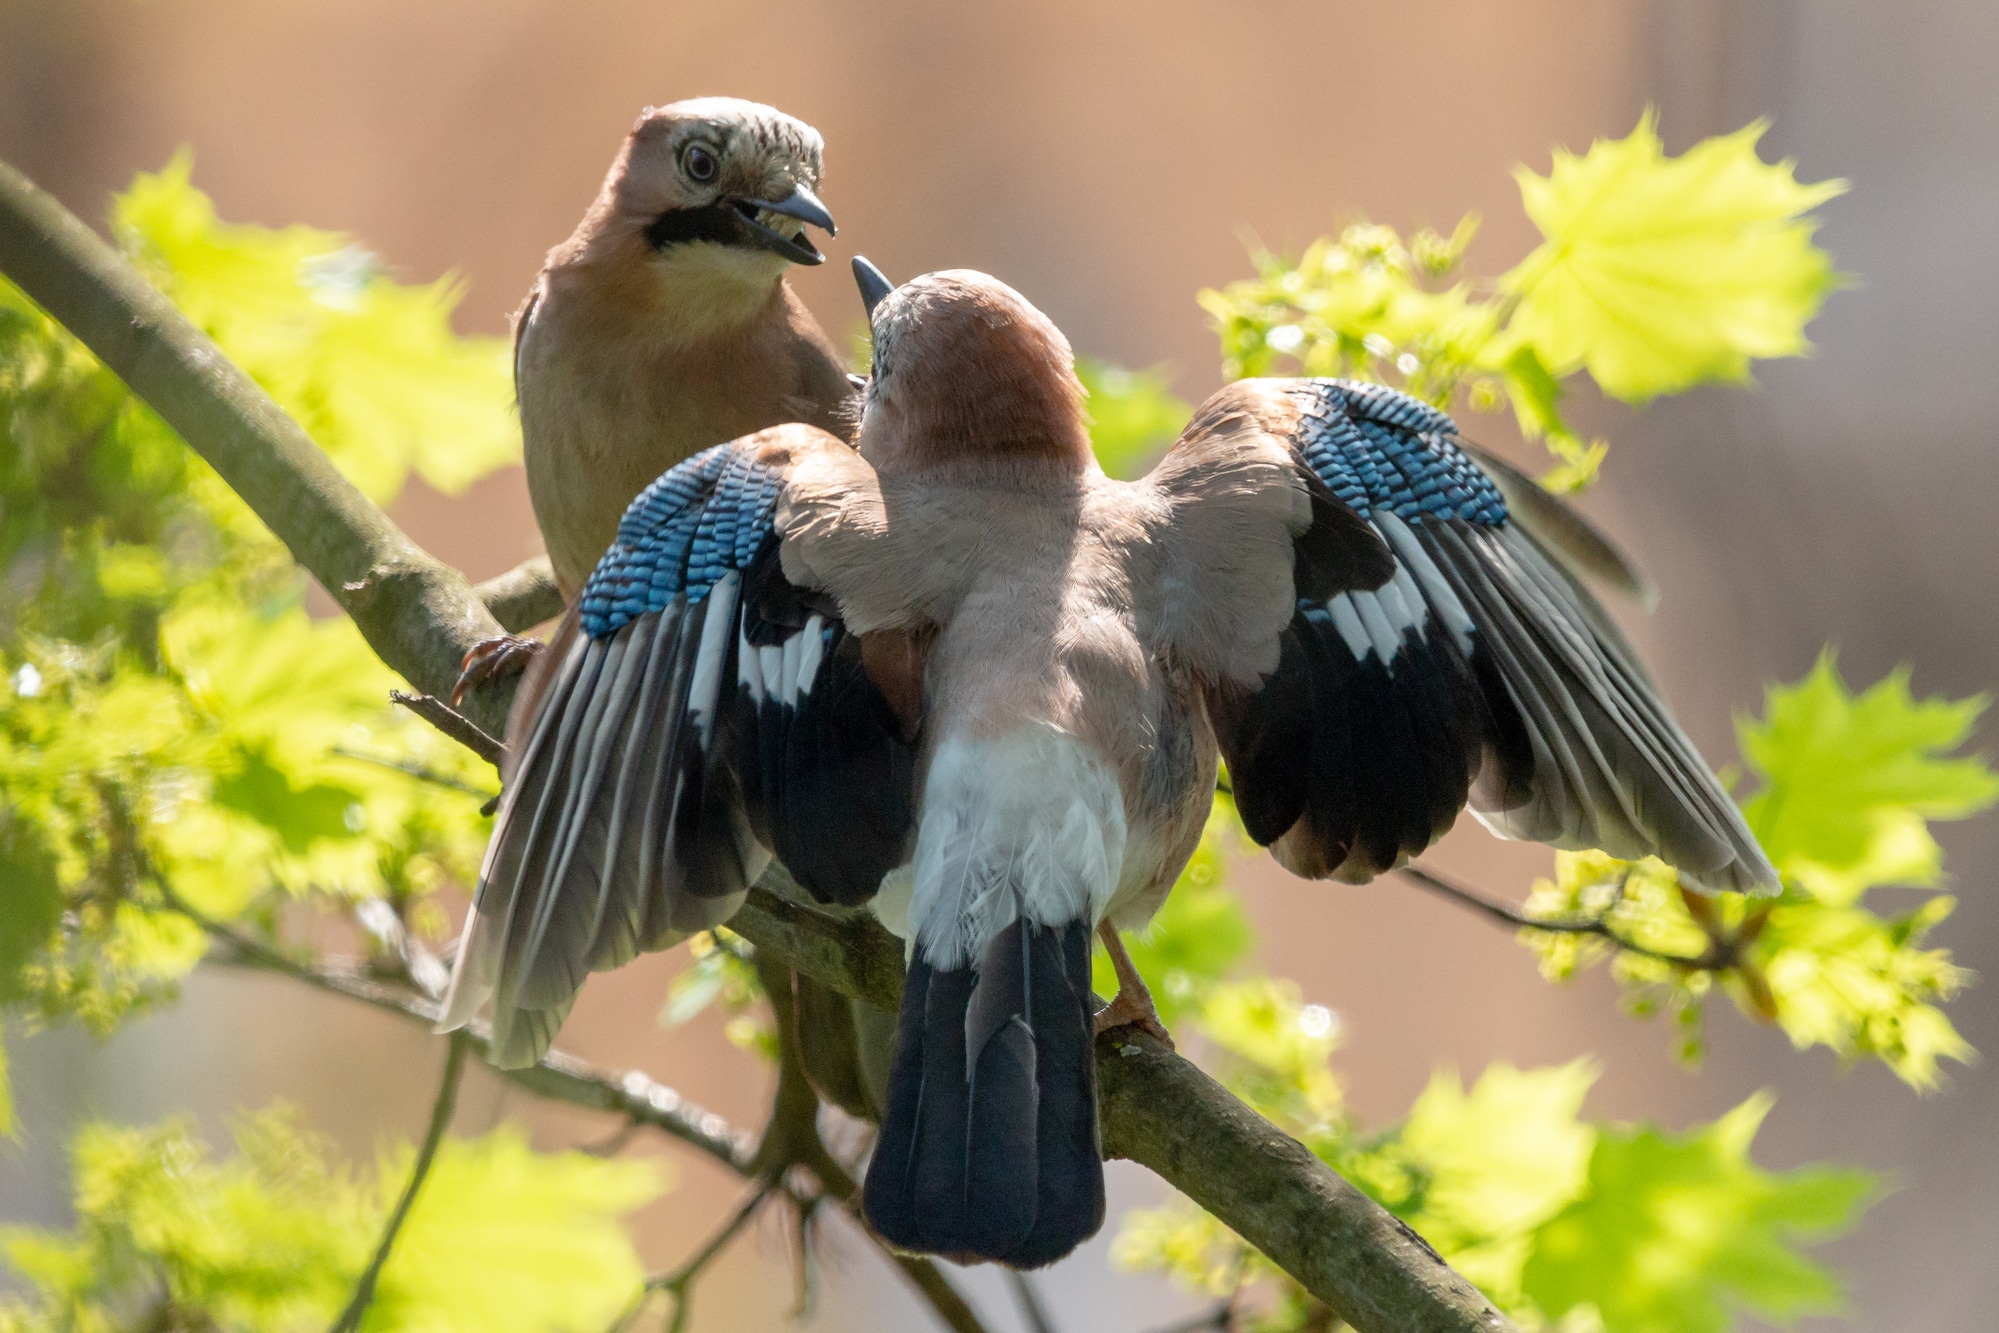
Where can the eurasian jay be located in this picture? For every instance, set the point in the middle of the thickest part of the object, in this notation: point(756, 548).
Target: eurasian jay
point(959, 671)
point(664, 325)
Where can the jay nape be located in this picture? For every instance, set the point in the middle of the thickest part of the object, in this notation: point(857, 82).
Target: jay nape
point(664, 324)
point(960, 672)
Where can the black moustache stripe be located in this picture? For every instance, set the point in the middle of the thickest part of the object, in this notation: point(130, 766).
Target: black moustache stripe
point(718, 222)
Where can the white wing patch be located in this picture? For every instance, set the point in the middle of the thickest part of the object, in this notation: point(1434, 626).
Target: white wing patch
point(712, 653)
point(1425, 583)
point(782, 673)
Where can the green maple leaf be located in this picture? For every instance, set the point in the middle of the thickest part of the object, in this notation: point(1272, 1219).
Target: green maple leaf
point(1659, 273)
point(370, 367)
point(1677, 1231)
point(1497, 1161)
point(1850, 781)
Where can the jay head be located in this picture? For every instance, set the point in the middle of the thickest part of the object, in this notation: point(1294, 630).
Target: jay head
point(709, 200)
point(960, 673)
point(664, 324)
point(967, 373)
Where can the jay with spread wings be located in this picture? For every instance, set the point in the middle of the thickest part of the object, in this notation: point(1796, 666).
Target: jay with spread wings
point(960, 672)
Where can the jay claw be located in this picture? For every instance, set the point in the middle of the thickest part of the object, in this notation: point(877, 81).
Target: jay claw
point(492, 659)
point(1127, 1011)
point(1133, 1005)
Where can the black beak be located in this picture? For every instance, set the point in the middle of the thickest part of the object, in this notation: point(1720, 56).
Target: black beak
point(802, 204)
point(874, 286)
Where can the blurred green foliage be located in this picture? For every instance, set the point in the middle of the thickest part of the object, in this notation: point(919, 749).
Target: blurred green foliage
point(172, 717)
point(1133, 415)
point(501, 1239)
point(172, 722)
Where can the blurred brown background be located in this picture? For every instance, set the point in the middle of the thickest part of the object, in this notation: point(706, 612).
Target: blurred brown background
point(1106, 157)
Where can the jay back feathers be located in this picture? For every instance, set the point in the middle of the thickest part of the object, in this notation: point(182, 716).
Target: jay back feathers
point(962, 672)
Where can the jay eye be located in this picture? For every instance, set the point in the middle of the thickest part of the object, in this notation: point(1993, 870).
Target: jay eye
point(699, 163)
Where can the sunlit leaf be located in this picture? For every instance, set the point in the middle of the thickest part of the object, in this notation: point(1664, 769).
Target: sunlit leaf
point(1828, 974)
point(1845, 978)
point(1677, 1231)
point(1659, 273)
point(1497, 1162)
point(1850, 781)
point(269, 1238)
point(1282, 1047)
point(509, 1240)
point(1362, 305)
point(371, 368)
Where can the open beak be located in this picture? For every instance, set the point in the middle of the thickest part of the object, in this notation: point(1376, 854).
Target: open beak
point(760, 218)
point(874, 286)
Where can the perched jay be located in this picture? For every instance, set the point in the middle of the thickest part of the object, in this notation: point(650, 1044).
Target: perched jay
point(962, 669)
point(665, 325)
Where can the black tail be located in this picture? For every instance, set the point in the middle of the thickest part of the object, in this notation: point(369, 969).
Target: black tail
point(988, 1147)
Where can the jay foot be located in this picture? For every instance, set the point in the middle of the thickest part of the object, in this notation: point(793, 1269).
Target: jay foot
point(1133, 1005)
point(492, 659)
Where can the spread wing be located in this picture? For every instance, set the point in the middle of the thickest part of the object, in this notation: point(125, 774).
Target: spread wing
point(696, 712)
point(1468, 666)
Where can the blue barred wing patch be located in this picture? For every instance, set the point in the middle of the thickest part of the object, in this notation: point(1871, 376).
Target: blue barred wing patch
point(1379, 448)
point(700, 522)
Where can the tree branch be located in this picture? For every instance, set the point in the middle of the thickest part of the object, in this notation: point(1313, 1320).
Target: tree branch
point(440, 1120)
point(1157, 1109)
point(522, 597)
point(452, 723)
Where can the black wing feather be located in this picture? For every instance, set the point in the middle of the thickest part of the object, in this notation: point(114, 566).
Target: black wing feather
point(1482, 670)
point(694, 713)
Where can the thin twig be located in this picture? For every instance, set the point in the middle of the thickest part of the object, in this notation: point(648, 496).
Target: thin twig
point(410, 768)
point(1505, 912)
point(614, 1143)
point(452, 723)
point(559, 1076)
point(681, 1278)
point(1033, 1312)
point(440, 1120)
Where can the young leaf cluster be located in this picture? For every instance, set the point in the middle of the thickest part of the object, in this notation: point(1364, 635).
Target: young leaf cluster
point(1847, 787)
point(1655, 274)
